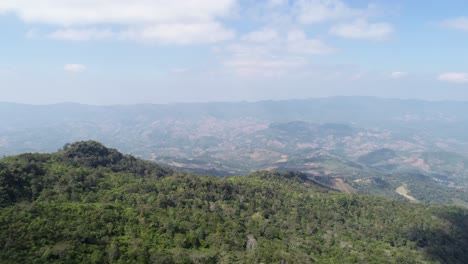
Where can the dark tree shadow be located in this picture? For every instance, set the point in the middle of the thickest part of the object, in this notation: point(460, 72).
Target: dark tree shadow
point(445, 244)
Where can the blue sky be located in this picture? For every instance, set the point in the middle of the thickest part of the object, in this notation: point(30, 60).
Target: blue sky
point(143, 51)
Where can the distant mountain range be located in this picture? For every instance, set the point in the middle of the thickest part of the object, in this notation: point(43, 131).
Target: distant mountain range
point(404, 149)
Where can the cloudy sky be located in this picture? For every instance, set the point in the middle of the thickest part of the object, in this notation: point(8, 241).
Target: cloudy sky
point(158, 51)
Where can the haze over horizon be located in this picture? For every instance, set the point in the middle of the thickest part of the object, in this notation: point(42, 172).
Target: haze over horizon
point(121, 52)
point(253, 101)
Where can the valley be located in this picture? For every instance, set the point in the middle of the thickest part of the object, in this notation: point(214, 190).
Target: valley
point(336, 141)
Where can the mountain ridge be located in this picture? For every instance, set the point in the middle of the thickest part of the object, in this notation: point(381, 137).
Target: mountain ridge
point(237, 138)
point(103, 212)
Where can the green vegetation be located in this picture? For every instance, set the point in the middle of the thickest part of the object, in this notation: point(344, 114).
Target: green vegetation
point(90, 204)
point(370, 145)
point(427, 190)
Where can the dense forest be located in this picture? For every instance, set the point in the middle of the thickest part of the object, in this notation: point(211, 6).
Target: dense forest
point(90, 204)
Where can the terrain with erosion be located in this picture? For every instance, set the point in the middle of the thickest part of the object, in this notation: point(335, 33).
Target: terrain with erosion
point(90, 204)
point(403, 149)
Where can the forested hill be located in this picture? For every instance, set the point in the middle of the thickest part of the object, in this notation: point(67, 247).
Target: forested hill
point(91, 204)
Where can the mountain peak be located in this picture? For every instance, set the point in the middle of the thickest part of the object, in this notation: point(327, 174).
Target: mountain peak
point(90, 153)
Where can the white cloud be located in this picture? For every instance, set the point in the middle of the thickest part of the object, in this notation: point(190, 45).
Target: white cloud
point(261, 60)
point(361, 29)
point(250, 50)
point(455, 77)
point(263, 66)
point(275, 3)
point(460, 23)
point(82, 34)
point(298, 43)
point(180, 34)
point(163, 21)
point(282, 54)
point(257, 60)
point(124, 12)
point(316, 11)
point(273, 62)
point(398, 74)
point(74, 68)
point(264, 35)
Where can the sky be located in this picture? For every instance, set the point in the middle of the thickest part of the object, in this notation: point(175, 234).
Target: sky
point(164, 51)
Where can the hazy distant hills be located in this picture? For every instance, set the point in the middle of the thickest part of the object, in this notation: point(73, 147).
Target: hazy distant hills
point(363, 110)
point(356, 144)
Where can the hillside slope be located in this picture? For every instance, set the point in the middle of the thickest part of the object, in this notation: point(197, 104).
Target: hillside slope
point(90, 204)
point(359, 144)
